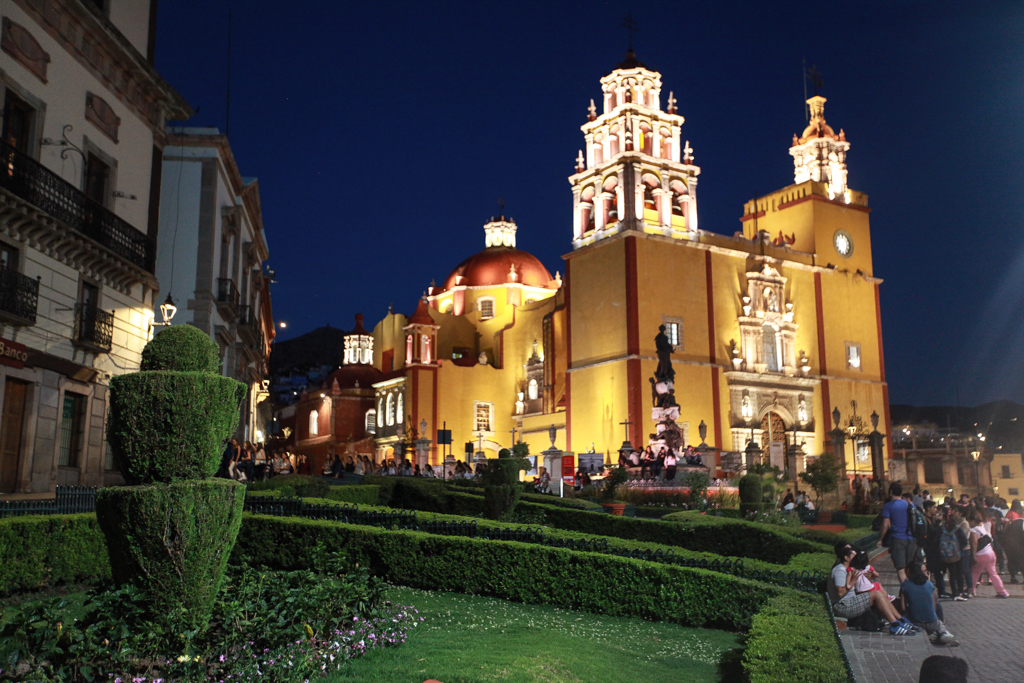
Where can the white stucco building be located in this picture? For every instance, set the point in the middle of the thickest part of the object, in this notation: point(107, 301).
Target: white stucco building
point(211, 256)
point(84, 115)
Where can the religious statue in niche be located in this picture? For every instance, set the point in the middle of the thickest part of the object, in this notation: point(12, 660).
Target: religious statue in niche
point(771, 301)
point(520, 405)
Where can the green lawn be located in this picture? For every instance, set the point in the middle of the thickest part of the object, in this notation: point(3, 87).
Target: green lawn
point(469, 638)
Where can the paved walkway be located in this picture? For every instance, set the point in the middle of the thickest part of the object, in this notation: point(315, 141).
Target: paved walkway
point(989, 631)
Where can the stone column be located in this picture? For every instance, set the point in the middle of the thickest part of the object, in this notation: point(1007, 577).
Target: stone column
point(876, 440)
point(422, 451)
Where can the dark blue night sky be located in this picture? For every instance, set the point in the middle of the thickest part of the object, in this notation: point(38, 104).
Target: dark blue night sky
point(384, 132)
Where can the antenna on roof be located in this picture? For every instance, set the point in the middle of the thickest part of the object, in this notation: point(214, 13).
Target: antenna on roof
point(227, 123)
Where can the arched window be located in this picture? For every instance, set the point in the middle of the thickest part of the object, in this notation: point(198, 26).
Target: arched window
point(532, 390)
point(371, 421)
point(400, 417)
point(314, 423)
point(380, 408)
point(391, 409)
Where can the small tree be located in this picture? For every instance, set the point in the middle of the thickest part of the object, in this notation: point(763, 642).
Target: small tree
point(822, 474)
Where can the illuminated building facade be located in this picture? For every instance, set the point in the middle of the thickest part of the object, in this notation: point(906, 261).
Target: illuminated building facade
point(773, 328)
point(83, 133)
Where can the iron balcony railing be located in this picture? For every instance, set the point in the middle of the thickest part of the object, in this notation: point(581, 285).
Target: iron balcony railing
point(227, 292)
point(94, 328)
point(26, 178)
point(19, 297)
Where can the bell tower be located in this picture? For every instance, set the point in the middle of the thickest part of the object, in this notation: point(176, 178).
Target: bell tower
point(636, 174)
point(819, 154)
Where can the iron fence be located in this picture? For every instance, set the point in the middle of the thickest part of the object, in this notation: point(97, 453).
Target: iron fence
point(19, 296)
point(27, 178)
point(94, 327)
point(68, 500)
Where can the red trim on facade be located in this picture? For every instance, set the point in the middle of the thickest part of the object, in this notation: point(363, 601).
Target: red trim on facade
point(711, 308)
point(434, 425)
point(567, 285)
point(633, 370)
point(751, 216)
point(881, 370)
point(826, 400)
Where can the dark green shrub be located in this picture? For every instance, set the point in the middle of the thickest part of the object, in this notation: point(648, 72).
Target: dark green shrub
point(166, 425)
point(182, 348)
point(514, 571)
point(616, 477)
point(48, 550)
point(302, 485)
point(501, 484)
point(174, 540)
point(359, 494)
point(791, 639)
point(751, 494)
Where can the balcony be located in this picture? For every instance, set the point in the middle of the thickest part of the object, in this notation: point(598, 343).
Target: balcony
point(248, 326)
point(26, 178)
point(93, 328)
point(19, 296)
point(227, 298)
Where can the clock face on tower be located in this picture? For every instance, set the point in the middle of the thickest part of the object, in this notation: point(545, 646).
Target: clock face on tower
point(843, 243)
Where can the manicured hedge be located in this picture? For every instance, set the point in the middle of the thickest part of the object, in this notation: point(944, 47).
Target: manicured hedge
point(800, 562)
point(519, 572)
point(45, 550)
point(792, 639)
point(708, 534)
point(357, 494)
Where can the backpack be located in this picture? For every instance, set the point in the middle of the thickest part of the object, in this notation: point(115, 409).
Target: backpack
point(949, 547)
point(916, 524)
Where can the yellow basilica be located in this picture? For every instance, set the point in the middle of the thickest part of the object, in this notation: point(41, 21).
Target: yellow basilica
point(773, 329)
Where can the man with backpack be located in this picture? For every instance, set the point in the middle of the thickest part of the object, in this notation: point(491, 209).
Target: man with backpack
point(899, 518)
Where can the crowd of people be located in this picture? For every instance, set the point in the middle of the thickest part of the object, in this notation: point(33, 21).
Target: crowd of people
point(939, 550)
point(652, 465)
point(246, 461)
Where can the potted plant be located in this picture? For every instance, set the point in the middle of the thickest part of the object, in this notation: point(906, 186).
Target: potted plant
point(616, 477)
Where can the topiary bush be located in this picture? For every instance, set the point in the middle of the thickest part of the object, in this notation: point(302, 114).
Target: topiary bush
point(501, 484)
point(46, 550)
point(176, 538)
point(170, 532)
point(167, 425)
point(183, 348)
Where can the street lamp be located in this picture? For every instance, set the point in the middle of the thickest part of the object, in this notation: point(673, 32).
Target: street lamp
point(976, 454)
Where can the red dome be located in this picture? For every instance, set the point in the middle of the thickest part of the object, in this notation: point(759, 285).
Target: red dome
point(349, 375)
point(492, 265)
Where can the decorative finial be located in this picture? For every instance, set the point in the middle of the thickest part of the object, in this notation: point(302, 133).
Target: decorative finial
point(501, 208)
point(671, 102)
point(687, 153)
point(592, 109)
point(579, 162)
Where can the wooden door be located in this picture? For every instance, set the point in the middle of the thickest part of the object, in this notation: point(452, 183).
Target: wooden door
point(10, 433)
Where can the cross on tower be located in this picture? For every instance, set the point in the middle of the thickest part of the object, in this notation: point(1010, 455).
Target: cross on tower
point(687, 153)
point(626, 424)
point(629, 23)
point(501, 207)
point(671, 102)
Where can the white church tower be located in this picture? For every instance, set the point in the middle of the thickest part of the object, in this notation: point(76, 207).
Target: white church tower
point(636, 173)
point(819, 154)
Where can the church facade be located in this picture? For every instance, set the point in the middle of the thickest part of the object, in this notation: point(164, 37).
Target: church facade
point(773, 329)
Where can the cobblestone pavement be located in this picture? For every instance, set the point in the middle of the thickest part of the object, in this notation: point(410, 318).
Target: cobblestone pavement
point(989, 630)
